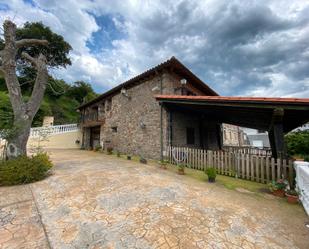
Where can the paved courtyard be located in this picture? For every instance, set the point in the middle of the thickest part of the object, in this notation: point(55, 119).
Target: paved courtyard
point(98, 201)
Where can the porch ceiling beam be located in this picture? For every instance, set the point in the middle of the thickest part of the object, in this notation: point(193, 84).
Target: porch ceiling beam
point(235, 104)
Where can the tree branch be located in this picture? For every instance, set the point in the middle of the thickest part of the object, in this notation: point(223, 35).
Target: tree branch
point(28, 57)
point(8, 55)
point(30, 42)
point(39, 85)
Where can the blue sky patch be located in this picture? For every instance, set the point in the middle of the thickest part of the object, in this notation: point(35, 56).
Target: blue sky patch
point(4, 6)
point(108, 32)
point(31, 2)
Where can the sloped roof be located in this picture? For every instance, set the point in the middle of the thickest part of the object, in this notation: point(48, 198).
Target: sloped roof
point(251, 112)
point(173, 63)
point(236, 99)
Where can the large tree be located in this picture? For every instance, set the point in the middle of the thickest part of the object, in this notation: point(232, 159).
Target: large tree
point(34, 48)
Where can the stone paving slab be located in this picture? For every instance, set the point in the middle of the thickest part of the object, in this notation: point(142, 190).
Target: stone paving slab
point(20, 225)
point(98, 201)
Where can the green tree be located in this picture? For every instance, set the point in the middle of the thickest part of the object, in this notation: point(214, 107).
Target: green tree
point(298, 143)
point(82, 92)
point(37, 48)
point(56, 52)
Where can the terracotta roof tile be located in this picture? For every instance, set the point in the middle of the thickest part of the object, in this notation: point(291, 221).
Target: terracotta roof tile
point(234, 99)
point(174, 62)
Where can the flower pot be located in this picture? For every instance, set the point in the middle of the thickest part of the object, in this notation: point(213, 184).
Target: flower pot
point(181, 171)
point(292, 198)
point(163, 166)
point(211, 179)
point(279, 193)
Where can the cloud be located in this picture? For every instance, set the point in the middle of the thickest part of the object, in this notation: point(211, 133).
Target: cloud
point(257, 48)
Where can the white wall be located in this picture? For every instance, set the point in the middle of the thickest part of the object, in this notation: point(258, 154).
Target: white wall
point(302, 182)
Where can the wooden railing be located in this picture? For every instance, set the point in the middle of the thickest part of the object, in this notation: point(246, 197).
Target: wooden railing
point(56, 129)
point(90, 117)
point(256, 168)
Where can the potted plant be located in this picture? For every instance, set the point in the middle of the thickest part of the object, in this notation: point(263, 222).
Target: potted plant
point(211, 173)
point(181, 169)
point(142, 160)
point(163, 164)
point(97, 147)
point(278, 187)
point(129, 157)
point(109, 150)
point(292, 196)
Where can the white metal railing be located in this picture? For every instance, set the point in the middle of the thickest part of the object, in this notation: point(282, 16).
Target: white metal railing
point(56, 129)
point(302, 183)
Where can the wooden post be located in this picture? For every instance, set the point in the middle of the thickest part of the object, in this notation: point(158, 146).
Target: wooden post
point(262, 169)
point(267, 169)
point(276, 134)
point(273, 175)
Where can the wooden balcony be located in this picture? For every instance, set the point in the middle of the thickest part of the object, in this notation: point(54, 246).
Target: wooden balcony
point(91, 119)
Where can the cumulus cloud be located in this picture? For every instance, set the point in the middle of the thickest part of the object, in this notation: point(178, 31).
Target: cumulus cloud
point(256, 48)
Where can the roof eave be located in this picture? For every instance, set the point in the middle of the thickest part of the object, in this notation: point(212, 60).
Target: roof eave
point(147, 73)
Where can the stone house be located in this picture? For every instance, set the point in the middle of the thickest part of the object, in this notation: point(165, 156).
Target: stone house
point(234, 136)
point(170, 106)
point(128, 118)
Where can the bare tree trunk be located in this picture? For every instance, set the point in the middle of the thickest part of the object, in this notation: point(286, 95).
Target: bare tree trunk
point(17, 142)
point(23, 111)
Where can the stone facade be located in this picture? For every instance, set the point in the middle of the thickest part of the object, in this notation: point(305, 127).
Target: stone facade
point(48, 121)
point(233, 135)
point(132, 124)
point(205, 131)
point(130, 120)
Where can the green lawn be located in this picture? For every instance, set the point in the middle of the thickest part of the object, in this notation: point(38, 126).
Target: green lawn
point(226, 181)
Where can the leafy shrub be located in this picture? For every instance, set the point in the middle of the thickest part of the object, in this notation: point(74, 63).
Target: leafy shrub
point(24, 169)
point(109, 150)
point(143, 160)
point(298, 143)
point(277, 185)
point(181, 166)
point(181, 169)
point(211, 173)
point(306, 158)
point(97, 147)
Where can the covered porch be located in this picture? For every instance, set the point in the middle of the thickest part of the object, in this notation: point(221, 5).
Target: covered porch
point(278, 116)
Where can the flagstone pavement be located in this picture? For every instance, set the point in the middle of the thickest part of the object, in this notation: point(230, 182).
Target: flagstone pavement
point(94, 200)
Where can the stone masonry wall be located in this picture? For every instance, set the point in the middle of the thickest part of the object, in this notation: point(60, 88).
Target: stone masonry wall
point(132, 124)
point(137, 120)
point(181, 122)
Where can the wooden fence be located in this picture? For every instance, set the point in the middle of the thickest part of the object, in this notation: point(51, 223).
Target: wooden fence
point(256, 168)
point(248, 150)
